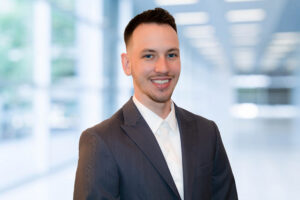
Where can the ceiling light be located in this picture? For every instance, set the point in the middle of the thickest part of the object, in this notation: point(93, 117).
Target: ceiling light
point(278, 112)
point(191, 18)
point(232, 1)
point(286, 38)
point(245, 41)
point(283, 42)
point(199, 31)
point(281, 45)
point(245, 111)
point(284, 35)
point(245, 15)
point(251, 81)
point(205, 43)
point(273, 55)
point(240, 30)
point(174, 2)
point(282, 49)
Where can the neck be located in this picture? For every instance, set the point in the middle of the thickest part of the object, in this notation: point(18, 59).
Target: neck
point(162, 109)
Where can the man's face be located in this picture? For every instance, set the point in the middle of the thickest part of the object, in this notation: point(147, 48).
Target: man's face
point(153, 60)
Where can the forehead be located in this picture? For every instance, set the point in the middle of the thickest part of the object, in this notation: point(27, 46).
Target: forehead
point(149, 35)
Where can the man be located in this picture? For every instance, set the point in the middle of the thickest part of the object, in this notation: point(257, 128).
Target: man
point(150, 148)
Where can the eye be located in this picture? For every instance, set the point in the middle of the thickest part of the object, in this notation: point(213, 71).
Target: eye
point(172, 55)
point(148, 56)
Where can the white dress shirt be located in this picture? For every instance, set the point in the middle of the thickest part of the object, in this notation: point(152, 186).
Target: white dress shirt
point(167, 134)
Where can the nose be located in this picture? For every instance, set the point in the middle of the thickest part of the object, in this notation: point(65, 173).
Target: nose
point(161, 65)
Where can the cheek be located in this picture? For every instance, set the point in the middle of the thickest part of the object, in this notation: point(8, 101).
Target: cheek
point(145, 68)
point(140, 69)
point(176, 67)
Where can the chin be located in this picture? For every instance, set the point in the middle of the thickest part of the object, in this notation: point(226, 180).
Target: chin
point(161, 99)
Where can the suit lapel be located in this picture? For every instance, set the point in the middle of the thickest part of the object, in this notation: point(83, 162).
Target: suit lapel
point(139, 131)
point(188, 130)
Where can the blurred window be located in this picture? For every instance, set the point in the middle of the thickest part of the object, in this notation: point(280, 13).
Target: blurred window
point(15, 69)
point(264, 96)
point(64, 90)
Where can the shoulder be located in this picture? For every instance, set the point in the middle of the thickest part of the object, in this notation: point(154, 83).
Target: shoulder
point(106, 128)
point(206, 129)
point(189, 116)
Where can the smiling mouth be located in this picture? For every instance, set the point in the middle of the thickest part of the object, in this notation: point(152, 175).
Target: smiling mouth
point(161, 81)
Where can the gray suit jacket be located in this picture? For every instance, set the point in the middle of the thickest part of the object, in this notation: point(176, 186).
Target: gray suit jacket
point(121, 159)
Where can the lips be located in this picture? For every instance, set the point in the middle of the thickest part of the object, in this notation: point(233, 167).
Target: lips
point(161, 83)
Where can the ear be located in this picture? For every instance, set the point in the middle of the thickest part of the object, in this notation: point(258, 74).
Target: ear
point(126, 64)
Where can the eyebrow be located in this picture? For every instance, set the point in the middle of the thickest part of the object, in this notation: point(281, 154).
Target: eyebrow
point(173, 49)
point(153, 51)
point(148, 50)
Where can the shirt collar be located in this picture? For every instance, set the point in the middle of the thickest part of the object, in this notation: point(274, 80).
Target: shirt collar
point(153, 120)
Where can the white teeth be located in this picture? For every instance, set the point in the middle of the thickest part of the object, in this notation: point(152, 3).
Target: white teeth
point(160, 81)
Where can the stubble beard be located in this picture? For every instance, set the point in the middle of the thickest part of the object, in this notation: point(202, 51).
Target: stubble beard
point(164, 98)
point(160, 99)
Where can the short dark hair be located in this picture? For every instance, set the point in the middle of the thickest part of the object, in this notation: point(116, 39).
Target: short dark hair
point(157, 15)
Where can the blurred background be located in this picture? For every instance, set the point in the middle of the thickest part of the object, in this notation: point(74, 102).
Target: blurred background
point(60, 72)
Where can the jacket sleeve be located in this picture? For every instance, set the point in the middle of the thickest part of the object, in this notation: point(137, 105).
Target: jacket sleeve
point(223, 183)
point(97, 172)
